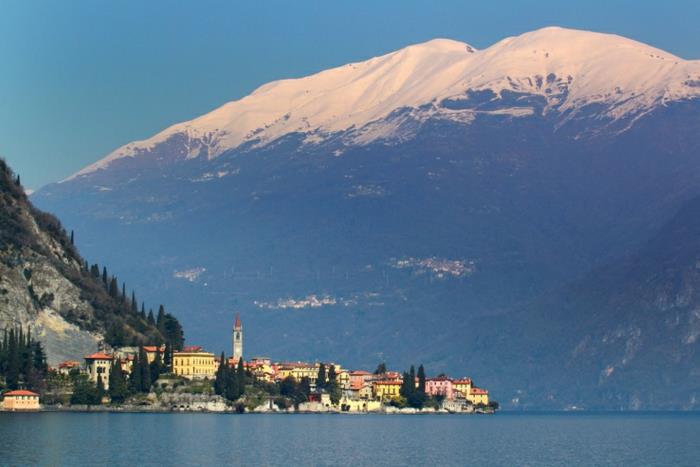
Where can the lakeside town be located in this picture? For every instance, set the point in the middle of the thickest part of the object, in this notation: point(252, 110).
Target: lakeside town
point(161, 378)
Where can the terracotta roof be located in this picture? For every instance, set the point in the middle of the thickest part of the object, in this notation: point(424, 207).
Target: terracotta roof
point(21, 392)
point(237, 324)
point(192, 348)
point(360, 373)
point(68, 364)
point(388, 382)
point(479, 391)
point(98, 356)
point(462, 381)
point(151, 348)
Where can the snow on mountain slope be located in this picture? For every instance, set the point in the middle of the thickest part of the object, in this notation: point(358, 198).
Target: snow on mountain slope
point(570, 68)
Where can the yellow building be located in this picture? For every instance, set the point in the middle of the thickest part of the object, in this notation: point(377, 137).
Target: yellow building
point(261, 367)
point(384, 390)
point(20, 400)
point(195, 364)
point(478, 396)
point(297, 370)
point(462, 387)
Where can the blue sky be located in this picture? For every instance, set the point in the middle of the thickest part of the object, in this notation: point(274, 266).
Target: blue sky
point(80, 78)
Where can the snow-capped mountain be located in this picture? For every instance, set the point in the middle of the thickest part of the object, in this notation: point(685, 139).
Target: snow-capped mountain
point(570, 69)
point(387, 210)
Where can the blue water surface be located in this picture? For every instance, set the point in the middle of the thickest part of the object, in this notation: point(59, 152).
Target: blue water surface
point(509, 439)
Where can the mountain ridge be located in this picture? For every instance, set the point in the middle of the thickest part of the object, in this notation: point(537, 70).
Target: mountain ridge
point(571, 69)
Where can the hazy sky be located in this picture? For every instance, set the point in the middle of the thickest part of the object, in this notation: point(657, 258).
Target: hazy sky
point(80, 78)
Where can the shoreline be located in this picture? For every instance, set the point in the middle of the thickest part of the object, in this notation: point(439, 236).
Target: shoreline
point(233, 411)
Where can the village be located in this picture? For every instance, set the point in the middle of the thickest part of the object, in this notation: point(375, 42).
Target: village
point(193, 379)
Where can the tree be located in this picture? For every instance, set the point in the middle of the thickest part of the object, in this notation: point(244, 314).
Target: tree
point(421, 379)
point(72, 238)
point(333, 386)
point(113, 288)
point(321, 378)
point(135, 377)
point(241, 377)
point(134, 305)
point(84, 392)
point(145, 371)
point(151, 320)
point(118, 390)
point(220, 379)
point(381, 369)
point(168, 356)
point(104, 276)
point(156, 367)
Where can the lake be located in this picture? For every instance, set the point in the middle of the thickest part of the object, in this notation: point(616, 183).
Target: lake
point(510, 439)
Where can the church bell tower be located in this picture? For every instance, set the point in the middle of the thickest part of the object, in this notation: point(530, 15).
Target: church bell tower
point(237, 338)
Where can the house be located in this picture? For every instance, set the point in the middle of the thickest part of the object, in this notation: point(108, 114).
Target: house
point(64, 368)
point(462, 387)
point(439, 386)
point(478, 396)
point(384, 390)
point(195, 363)
point(358, 378)
point(152, 351)
point(98, 366)
point(20, 400)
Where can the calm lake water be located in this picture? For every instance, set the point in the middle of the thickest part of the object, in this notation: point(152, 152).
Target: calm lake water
point(378, 440)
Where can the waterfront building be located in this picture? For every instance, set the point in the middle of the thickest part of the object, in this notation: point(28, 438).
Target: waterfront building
point(195, 363)
point(439, 386)
point(385, 390)
point(462, 387)
point(261, 367)
point(478, 396)
point(20, 400)
point(98, 365)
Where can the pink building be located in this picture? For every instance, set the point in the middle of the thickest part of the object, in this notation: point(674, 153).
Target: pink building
point(358, 378)
point(440, 386)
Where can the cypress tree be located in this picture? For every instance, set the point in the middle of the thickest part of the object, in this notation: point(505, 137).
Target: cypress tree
point(151, 320)
point(104, 276)
point(160, 320)
point(321, 378)
point(220, 380)
point(145, 371)
point(135, 377)
point(168, 357)
point(240, 377)
point(143, 311)
point(118, 391)
point(123, 291)
point(113, 288)
point(72, 238)
point(134, 305)
point(421, 380)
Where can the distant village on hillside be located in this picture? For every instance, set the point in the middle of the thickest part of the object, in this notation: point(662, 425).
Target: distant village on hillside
point(160, 378)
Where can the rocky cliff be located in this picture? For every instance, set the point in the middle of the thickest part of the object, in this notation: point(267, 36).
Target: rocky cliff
point(46, 285)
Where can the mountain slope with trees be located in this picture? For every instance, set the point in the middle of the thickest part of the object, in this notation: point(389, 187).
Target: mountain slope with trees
point(47, 286)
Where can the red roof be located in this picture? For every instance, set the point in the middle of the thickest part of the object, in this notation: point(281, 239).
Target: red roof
point(462, 381)
point(98, 356)
point(192, 348)
point(479, 391)
point(68, 364)
point(21, 392)
point(360, 373)
point(388, 382)
point(151, 348)
point(237, 324)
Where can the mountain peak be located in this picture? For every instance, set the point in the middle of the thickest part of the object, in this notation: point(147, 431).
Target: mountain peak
point(570, 68)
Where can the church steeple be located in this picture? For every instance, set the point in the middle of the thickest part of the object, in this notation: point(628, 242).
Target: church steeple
point(237, 338)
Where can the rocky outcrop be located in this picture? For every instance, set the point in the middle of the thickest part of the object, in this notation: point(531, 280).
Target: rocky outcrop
point(45, 285)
